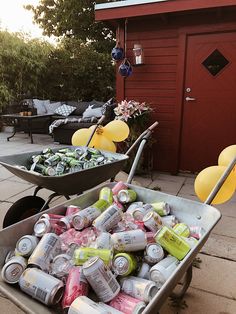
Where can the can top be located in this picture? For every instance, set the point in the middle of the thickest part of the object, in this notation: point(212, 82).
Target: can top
point(121, 265)
point(41, 227)
point(148, 216)
point(139, 308)
point(155, 250)
point(13, 269)
point(157, 276)
point(25, 245)
point(91, 261)
point(151, 291)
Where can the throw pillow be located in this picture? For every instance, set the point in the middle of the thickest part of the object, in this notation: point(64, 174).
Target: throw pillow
point(39, 105)
point(65, 110)
point(92, 112)
point(51, 107)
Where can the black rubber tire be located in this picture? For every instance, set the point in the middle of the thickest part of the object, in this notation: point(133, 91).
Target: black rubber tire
point(23, 208)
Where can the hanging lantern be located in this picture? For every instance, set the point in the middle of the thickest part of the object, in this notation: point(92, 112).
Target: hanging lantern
point(117, 53)
point(125, 69)
point(138, 55)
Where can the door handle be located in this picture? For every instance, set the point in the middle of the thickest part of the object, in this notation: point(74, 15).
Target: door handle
point(190, 99)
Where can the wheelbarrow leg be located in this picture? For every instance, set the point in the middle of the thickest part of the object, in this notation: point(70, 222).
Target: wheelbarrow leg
point(186, 282)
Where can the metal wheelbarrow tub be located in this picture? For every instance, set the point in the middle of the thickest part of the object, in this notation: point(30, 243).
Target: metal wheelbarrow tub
point(67, 184)
point(188, 211)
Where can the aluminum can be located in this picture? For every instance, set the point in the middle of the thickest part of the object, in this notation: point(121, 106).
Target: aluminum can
point(172, 242)
point(13, 269)
point(153, 253)
point(191, 241)
point(150, 237)
point(160, 272)
point(41, 286)
point(26, 245)
point(118, 187)
point(124, 264)
point(139, 213)
point(72, 209)
point(139, 288)
point(82, 254)
point(101, 205)
point(103, 241)
point(61, 266)
point(182, 230)
point(197, 232)
point(76, 286)
point(52, 161)
point(129, 241)
point(9, 255)
point(152, 221)
point(101, 279)
point(43, 226)
point(133, 206)
point(127, 304)
point(85, 217)
point(109, 218)
point(47, 171)
point(51, 217)
point(169, 221)
point(126, 196)
point(45, 251)
point(144, 271)
point(84, 305)
point(162, 208)
point(106, 194)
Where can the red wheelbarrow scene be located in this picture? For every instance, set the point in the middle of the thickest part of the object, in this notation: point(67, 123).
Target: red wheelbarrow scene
point(118, 157)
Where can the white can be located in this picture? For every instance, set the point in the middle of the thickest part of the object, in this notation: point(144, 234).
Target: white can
point(84, 305)
point(152, 221)
point(109, 218)
point(133, 206)
point(41, 286)
point(103, 241)
point(154, 253)
point(139, 288)
point(169, 221)
point(144, 271)
point(129, 241)
point(26, 244)
point(101, 279)
point(160, 272)
point(85, 217)
point(13, 269)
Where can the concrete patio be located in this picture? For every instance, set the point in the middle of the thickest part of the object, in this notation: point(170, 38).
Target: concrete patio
point(213, 288)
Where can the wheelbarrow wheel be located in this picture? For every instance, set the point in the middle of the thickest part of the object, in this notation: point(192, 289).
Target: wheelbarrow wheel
point(23, 208)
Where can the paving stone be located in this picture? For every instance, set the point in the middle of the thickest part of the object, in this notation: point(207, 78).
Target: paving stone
point(166, 186)
point(167, 177)
point(187, 188)
point(226, 227)
point(189, 196)
point(201, 302)
point(220, 246)
point(7, 307)
point(5, 174)
point(216, 275)
point(17, 179)
point(228, 208)
point(10, 188)
point(144, 181)
point(4, 206)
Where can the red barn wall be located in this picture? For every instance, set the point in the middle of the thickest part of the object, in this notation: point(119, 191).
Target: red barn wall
point(160, 81)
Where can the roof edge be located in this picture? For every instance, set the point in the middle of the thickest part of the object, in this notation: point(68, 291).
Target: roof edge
point(119, 4)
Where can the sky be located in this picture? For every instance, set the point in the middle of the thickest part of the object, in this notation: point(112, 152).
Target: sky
point(15, 18)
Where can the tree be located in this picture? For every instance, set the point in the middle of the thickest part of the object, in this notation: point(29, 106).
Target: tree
point(73, 18)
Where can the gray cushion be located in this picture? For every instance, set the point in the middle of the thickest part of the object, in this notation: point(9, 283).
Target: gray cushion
point(51, 108)
point(92, 112)
point(65, 110)
point(40, 106)
point(80, 108)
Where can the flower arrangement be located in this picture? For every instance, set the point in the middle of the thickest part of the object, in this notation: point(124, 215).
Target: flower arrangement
point(131, 109)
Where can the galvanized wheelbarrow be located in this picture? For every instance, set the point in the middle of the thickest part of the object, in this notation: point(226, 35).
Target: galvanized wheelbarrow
point(67, 184)
point(188, 211)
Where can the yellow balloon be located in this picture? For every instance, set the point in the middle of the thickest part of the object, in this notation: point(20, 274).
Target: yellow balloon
point(227, 155)
point(206, 181)
point(80, 137)
point(101, 142)
point(116, 130)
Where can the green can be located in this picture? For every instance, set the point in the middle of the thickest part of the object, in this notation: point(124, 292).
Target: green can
point(106, 194)
point(124, 264)
point(127, 196)
point(101, 205)
point(39, 159)
point(47, 151)
point(81, 255)
point(162, 208)
point(47, 171)
point(182, 230)
point(172, 242)
point(52, 161)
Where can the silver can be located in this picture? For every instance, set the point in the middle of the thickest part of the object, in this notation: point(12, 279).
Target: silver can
point(101, 279)
point(160, 272)
point(139, 288)
point(103, 241)
point(44, 226)
point(109, 218)
point(153, 253)
point(85, 217)
point(26, 244)
point(152, 221)
point(126, 196)
point(84, 305)
point(9, 255)
point(139, 213)
point(144, 271)
point(162, 208)
point(61, 265)
point(41, 286)
point(129, 241)
point(48, 247)
point(169, 221)
point(13, 269)
point(133, 206)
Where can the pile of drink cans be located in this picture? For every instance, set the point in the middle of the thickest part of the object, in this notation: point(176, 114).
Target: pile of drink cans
point(120, 248)
point(67, 160)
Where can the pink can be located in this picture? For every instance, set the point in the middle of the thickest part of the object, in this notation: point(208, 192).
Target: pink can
point(52, 217)
point(72, 209)
point(118, 187)
point(76, 286)
point(127, 304)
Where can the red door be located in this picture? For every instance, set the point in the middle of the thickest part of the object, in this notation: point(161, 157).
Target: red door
point(209, 110)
